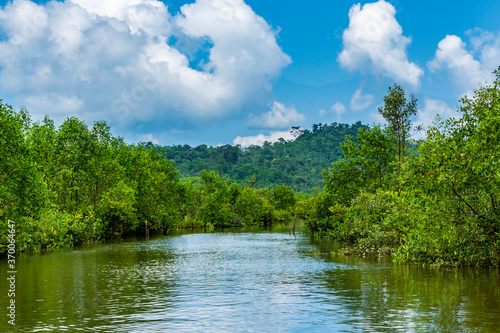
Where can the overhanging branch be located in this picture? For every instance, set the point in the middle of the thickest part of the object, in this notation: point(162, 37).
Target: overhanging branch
point(468, 205)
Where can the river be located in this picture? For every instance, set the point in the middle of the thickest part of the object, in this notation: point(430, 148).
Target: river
point(243, 281)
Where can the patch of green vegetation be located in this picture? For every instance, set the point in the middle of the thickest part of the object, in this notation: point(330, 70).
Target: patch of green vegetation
point(434, 203)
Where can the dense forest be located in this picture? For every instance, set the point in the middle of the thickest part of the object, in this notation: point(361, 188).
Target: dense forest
point(435, 202)
point(75, 185)
point(431, 201)
point(297, 164)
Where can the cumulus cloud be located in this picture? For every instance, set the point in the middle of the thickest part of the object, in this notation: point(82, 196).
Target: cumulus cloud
point(432, 108)
point(374, 40)
point(466, 71)
point(58, 105)
point(113, 59)
point(259, 140)
point(280, 116)
point(338, 109)
point(360, 101)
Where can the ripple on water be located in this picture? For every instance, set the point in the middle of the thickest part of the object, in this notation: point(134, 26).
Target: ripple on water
point(245, 282)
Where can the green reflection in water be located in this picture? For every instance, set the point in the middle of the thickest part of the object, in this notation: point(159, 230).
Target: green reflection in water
point(90, 286)
point(380, 296)
point(246, 280)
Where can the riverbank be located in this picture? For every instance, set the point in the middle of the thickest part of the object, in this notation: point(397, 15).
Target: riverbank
point(434, 201)
point(255, 280)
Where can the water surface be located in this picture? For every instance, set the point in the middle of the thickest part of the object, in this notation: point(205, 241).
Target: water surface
point(255, 281)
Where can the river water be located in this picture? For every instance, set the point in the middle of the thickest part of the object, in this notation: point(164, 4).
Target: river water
point(258, 281)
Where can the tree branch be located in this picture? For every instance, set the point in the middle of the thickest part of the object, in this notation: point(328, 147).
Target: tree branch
point(468, 205)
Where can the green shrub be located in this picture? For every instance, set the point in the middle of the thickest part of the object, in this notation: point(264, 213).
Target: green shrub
point(281, 216)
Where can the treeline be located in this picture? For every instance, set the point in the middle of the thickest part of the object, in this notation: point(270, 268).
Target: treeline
point(434, 201)
point(74, 185)
point(296, 164)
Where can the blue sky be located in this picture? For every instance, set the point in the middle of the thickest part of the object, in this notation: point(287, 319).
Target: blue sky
point(235, 72)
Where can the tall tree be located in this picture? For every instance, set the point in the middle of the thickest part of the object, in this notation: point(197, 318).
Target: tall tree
point(22, 191)
point(398, 111)
point(372, 153)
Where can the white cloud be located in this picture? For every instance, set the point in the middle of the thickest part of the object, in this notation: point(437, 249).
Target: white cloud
point(377, 118)
point(280, 116)
point(360, 101)
point(467, 72)
point(113, 60)
point(338, 109)
point(58, 105)
point(487, 44)
point(259, 140)
point(479, 37)
point(432, 108)
point(374, 40)
point(425, 116)
point(148, 138)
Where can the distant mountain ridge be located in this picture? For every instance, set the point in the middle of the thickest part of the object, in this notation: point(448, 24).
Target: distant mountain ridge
point(297, 164)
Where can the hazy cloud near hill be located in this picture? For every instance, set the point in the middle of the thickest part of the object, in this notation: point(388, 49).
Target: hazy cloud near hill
point(279, 116)
point(259, 140)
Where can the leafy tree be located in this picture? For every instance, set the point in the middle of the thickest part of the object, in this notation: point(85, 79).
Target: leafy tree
point(459, 161)
point(449, 212)
point(250, 207)
point(22, 191)
point(215, 209)
point(342, 182)
point(283, 198)
point(372, 155)
point(397, 111)
point(103, 167)
point(72, 163)
point(157, 189)
point(366, 166)
point(118, 211)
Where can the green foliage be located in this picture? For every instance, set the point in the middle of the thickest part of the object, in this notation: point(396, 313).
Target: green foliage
point(296, 164)
point(158, 192)
point(428, 235)
point(220, 203)
point(281, 216)
point(78, 184)
point(74, 184)
point(54, 229)
point(214, 208)
point(397, 111)
point(190, 222)
point(363, 224)
point(366, 165)
point(283, 198)
point(343, 182)
point(251, 208)
point(448, 212)
point(117, 210)
point(22, 192)
point(4, 230)
point(458, 173)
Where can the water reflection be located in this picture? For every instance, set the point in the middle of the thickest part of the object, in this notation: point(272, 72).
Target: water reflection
point(381, 297)
point(246, 282)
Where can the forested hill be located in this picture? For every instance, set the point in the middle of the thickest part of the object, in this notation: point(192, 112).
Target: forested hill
point(297, 164)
